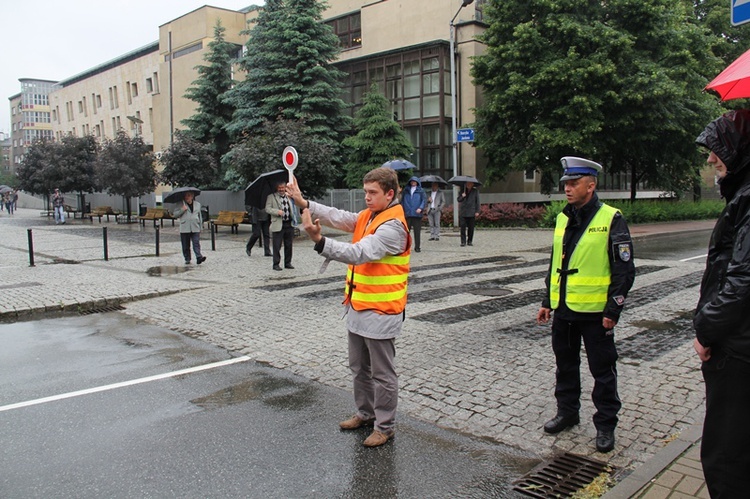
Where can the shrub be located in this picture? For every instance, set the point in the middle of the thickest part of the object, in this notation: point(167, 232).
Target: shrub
point(501, 215)
point(649, 211)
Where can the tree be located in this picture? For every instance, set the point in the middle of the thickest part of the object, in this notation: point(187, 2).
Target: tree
point(208, 124)
point(75, 164)
point(126, 167)
point(262, 152)
point(34, 172)
point(379, 138)
point(289, 73)
point(188, 162)
point(620, 82)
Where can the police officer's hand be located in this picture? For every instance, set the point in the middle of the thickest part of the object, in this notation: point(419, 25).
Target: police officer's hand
point(608, 323)
point(542, 317)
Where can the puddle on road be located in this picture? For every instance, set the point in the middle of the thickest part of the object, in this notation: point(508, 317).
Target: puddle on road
point(166, 270)
point(278, 393)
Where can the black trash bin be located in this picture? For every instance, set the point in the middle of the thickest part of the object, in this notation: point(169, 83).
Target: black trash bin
point(88, 208)
point(142, 209)
point(204, 214)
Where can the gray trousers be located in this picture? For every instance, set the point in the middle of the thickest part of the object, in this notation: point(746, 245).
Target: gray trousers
point(434, 218)
point(375, 380)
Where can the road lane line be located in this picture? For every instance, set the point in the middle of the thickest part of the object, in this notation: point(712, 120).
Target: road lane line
point(693, 258)
point(123, 384)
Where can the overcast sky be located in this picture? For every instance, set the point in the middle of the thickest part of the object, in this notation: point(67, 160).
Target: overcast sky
point(56, 39)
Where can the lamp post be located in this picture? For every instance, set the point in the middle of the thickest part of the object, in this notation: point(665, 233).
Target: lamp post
point(454, 142)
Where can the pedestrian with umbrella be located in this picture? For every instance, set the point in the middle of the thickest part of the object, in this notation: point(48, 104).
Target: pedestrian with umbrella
point(188, 212)
point(468, 206)
point(413, 199)
point(435, 203)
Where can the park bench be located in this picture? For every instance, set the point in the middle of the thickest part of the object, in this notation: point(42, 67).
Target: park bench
point(101, 211)
point(156, 214)
point(233, 219)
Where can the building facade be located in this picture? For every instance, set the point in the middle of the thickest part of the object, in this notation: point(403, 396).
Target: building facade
point(402, 45)
point(30, 116)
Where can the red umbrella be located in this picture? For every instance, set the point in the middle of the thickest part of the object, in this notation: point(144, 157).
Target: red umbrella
point(734, 81)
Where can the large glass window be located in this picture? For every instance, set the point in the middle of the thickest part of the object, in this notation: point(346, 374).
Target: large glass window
point(417, 85)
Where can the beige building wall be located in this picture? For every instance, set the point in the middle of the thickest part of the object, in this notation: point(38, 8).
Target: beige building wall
point(183, 43)
point(16, 136)
point(387, 27)
point(99, 101)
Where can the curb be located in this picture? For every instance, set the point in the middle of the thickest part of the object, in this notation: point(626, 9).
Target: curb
point(645, 474)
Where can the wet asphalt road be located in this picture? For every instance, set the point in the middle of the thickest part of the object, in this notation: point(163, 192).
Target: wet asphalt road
point(239, 430)
point(680, 246)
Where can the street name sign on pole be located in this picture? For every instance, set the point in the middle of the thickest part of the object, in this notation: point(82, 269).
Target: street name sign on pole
point(740, 12)
point(467, 134)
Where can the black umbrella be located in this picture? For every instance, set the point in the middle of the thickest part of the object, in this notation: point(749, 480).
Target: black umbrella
point(433, 179)
point(178, 194)
point(460, 180)
point(399, 164)
point(260, 188)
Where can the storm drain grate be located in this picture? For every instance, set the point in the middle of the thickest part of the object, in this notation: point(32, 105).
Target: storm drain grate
point(101, 310)
point(561, 477)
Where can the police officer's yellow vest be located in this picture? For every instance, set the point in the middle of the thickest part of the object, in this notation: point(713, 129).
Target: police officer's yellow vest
point(586, 289)
point(380, 285)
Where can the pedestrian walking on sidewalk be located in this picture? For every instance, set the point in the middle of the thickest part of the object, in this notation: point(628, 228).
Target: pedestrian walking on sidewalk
point(591, 271)
point(281, 210)
point(722, 323)
point(58, 206)
point(189, 214)
point(413, 199)
point(435, 203)
point(375, 293)
point(261, 223)
point(468, 211)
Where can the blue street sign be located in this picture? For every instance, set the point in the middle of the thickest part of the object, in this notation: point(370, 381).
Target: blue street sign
point(467, 134)
point(740, 12)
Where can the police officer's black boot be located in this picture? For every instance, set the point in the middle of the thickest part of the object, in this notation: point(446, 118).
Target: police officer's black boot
point(561, 422)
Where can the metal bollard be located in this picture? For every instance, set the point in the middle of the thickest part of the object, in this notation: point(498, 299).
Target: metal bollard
point(106, 249)
point(157, 240)
point(31, 248)
point(213, 237)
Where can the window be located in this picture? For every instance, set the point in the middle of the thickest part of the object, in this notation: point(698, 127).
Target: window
point(529, 174)
point(156, 83)
point(127, 92)
point(149, 85)
point(117, 99)
point(93, 103)
point(187, 50)
point(134, 89)
point(98, 100)
point(111, 99)
point(348, 29)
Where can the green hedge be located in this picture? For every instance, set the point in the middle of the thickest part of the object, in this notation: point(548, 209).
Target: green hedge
point(649, 211)
point(641, 211)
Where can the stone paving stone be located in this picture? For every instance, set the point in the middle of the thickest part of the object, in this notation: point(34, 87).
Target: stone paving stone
point(491, 375)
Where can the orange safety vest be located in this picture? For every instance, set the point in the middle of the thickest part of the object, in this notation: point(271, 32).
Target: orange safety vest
point(379, 285)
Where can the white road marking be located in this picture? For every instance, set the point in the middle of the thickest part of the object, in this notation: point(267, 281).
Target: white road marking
point(123, 384)
point(699, 256)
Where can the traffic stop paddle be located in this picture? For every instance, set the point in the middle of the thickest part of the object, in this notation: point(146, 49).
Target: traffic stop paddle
point(290, 159)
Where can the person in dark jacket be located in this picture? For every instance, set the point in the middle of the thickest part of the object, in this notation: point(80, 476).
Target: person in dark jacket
point(722, 321)
point(261, 223)
point(413, 200)
point(590, 274)
point(468, 210)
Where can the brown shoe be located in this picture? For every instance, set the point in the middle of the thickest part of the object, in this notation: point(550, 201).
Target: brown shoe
point(355, 422)
point(377, 438)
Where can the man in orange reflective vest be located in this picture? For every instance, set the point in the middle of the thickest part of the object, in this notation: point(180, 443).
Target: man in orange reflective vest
point(375, 293)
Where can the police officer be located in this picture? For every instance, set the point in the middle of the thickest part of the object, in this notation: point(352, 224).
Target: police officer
point(590, 274)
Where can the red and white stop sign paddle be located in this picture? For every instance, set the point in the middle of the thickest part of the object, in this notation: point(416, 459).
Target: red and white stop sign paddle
point(290, 159)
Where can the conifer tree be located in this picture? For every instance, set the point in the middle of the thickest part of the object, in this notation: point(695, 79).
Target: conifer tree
point(289, 72)
point(378, 139)
point(208, 124)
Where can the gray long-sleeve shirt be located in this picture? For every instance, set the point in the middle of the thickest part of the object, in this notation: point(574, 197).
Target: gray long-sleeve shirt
point(389, 239)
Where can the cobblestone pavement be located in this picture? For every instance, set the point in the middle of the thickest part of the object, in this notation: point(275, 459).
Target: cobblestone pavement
point(471, 357)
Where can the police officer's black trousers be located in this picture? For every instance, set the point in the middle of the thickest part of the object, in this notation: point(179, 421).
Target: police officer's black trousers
point(725, 448)
point(602, 357)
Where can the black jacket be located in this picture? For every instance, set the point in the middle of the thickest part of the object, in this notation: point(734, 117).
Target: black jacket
point(722, 317)
point(621, 264)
